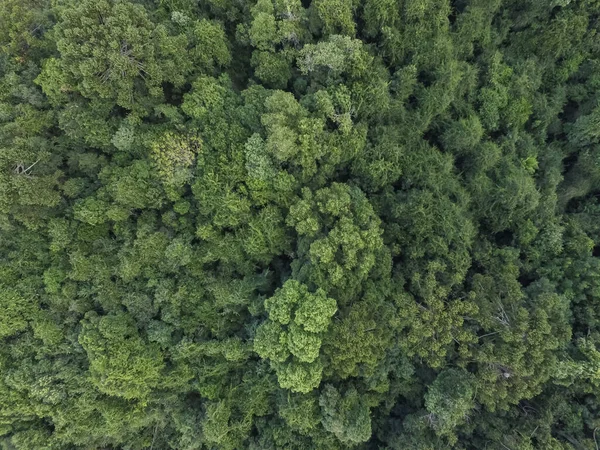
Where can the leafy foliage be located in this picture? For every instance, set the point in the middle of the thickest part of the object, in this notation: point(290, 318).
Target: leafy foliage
point(295, 224)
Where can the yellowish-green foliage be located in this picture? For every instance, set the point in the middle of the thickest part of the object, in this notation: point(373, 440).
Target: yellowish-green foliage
point(173, 156)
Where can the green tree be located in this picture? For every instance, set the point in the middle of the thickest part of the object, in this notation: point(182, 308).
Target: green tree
point(121, 363)
point(345, 415)
point(291, 338)
point(449, 400)
point(340, 238)
point(110, 51)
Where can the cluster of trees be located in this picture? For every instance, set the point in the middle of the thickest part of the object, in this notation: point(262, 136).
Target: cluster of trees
point(298, 224)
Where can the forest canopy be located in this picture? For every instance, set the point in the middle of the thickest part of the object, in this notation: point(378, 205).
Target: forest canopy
point(299, 224)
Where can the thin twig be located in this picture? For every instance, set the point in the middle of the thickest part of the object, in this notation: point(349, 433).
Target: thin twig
point(489, 334)
point(154, 436)
point(29, 168)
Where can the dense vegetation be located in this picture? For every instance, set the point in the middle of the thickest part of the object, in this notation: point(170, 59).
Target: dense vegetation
point(296, 224)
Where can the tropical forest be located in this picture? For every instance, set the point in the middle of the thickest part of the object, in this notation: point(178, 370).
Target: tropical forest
point(299, 224)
